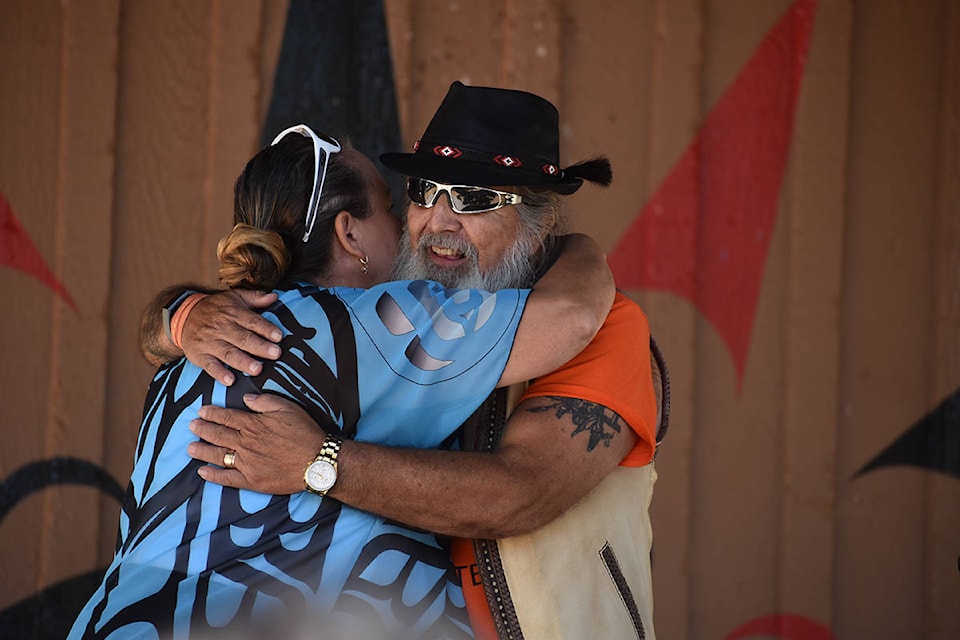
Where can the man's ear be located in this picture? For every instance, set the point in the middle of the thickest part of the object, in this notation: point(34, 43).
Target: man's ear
point(348, 234)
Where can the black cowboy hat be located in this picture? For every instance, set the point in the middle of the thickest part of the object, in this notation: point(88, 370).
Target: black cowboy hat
point(488, 137)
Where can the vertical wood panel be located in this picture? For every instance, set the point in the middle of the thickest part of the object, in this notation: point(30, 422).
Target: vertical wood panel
point(948, 206)
point(737, 449)
point(273, 18)
point(452, 41)
point(533, 53)
point(86, 126)
point(605, 109)
point(814, 216)
point(400, 34)
point(29, 179)
point(235, 118)
point(886, 314)
point(676, 110)
point(942, 536)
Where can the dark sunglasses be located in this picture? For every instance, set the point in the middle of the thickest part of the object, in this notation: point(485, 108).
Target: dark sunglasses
point(323, 148)
point(463, 198)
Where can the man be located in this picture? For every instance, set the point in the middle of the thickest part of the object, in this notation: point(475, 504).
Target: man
point(544, 561)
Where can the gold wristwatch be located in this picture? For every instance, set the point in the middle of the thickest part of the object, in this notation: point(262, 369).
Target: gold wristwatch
point(321, 474)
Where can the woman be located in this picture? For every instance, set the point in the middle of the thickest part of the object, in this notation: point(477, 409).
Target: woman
point(400, 363)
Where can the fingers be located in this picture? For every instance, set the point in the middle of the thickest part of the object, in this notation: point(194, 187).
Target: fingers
point(226, 477)
point(216, 356)
point(221, 331)
point(257, 299)
point(273, 445)
point(219, 436)
point(218, 371)
point(271, 403)
point(225, 318)
point(236, 428)
point(253, 333)
point(237, 307)
point(211, 453)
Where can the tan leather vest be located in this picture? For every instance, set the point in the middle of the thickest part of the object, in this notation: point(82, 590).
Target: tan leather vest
point(586, 574)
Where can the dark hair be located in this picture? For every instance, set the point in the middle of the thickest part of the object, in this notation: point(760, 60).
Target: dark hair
point(265, 249)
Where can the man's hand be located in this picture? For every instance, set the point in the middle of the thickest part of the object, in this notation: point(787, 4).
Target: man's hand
point(222, 330)
point(273, 446)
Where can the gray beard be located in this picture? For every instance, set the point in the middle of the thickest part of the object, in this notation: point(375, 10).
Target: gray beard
point(515, 270)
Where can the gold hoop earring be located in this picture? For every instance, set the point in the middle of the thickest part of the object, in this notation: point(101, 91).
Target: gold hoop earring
point(364, 261)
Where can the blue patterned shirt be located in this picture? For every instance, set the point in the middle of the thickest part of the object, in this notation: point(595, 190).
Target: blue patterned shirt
point(410, 363)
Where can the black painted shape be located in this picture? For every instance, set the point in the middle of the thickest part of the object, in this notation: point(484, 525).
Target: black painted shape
point(48, 615)
point(335, 74)
point(55, 471)
point(933, 443)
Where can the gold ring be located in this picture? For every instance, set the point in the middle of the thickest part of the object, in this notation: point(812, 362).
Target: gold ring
point(230, 460)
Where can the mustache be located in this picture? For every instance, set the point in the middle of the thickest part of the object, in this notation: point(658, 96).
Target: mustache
point(516, 268)
point(414, 262)
point(444, 241)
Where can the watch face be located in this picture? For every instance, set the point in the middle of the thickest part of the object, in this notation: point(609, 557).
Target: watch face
point(321, 475)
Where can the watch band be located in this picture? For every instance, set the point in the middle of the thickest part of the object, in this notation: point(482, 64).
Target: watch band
point(330, 449)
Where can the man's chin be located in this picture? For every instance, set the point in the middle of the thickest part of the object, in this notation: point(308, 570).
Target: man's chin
point(458, 277)
point(514, 271)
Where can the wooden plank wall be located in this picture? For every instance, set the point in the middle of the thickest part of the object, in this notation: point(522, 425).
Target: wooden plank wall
point(57, 163)
point(124, 124)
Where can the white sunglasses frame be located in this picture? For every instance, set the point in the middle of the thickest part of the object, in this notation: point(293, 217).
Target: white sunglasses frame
point(329, 146)
point(442, 187)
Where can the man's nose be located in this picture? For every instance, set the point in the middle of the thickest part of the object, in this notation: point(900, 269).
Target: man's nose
point(442, 215)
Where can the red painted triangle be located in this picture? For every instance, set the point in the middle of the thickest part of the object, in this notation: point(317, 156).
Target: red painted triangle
point(786, 626)
point(17, 251)
point(705, 233)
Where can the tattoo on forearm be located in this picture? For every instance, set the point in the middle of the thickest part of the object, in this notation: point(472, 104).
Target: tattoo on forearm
point(597, 420)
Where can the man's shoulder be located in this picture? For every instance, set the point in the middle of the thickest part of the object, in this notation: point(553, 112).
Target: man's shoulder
point(626, 312)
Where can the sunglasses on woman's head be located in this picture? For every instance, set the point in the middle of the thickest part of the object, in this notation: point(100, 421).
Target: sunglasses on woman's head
point(463, 198)
point(321, 143)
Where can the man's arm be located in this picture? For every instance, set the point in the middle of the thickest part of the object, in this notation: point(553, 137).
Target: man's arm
point(554, 451)
point(545, 463)
point(226, 332)
point(155, 345)
point(563, 312)
point(574, 295)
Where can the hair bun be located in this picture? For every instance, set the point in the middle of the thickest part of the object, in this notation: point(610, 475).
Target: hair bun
point(252, 258)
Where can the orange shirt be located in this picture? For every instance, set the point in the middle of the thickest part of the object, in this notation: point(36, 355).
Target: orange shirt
point(614, 371)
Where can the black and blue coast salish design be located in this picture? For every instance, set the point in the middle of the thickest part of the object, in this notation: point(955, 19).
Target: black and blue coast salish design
point(411, 362)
